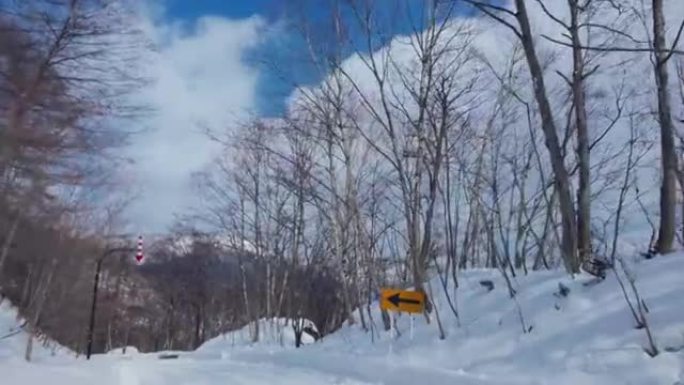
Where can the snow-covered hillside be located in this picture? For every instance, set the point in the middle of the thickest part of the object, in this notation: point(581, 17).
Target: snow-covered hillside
point(587, 337)
point(13, 339)
point(276, 332)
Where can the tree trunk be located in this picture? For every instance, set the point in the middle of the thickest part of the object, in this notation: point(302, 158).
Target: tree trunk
point(581, 123)
point(386, 322)
point(243, 274)
point(337, 224)
point(170, 330)
point(561, 177)
point(126, 339)
point(109, 344)
point(7, 243)
point(298, 330)
point(668, 189)
point(29, 342)
point(37, 306)
point(245, 294)
point(268, 289)
point(198, 324)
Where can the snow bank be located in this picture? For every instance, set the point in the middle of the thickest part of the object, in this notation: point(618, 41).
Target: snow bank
point(13, 338)
point(588, 337)
point(273, 333)
point(128, 350)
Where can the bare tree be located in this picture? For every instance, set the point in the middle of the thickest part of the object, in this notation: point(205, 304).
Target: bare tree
point(413, 117)
point(668, 189)
point(68, 68)
point(523, 31)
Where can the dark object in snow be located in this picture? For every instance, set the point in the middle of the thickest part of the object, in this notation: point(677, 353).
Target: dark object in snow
point(488, 284)
point(650, 254)
point(168, 356)
point(596, 267)
point(312, 332)
point(11, 334)
point(563, 290)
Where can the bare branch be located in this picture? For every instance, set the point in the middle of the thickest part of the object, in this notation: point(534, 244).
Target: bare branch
point(614, 49)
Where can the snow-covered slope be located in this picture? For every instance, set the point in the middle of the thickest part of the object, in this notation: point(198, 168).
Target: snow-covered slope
point(13, 339)
point(273, 333)
point(587, 337)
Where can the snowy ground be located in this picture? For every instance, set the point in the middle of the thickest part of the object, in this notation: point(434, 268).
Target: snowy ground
point(586, 338)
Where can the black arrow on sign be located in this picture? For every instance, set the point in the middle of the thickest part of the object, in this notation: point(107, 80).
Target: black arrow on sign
point(396, 300)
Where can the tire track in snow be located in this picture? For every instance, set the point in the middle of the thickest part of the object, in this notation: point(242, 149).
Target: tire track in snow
point(372, 370)
point(191, 371)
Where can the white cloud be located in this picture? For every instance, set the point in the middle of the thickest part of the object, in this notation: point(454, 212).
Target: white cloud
point(201, 80)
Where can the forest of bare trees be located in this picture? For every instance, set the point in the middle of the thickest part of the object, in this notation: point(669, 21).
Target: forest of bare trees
point(515, 135)
point(517, 140)
point(66, 70)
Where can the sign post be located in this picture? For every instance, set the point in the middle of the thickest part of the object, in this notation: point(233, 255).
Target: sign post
point(139, 254)
point(96, 285)
point(401, 301)
point(393, 334)
point(411, 335)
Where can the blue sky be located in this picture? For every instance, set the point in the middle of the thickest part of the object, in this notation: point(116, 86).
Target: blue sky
point(213, 68)
point(188, 9)
point(274, 85)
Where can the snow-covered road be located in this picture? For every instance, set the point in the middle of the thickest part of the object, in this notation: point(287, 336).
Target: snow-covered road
point(252, 369)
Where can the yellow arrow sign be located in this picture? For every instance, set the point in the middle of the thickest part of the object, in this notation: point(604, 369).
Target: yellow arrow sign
point(402, 300)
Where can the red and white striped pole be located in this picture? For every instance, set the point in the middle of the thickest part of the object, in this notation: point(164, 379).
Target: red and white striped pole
point(139, 255)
